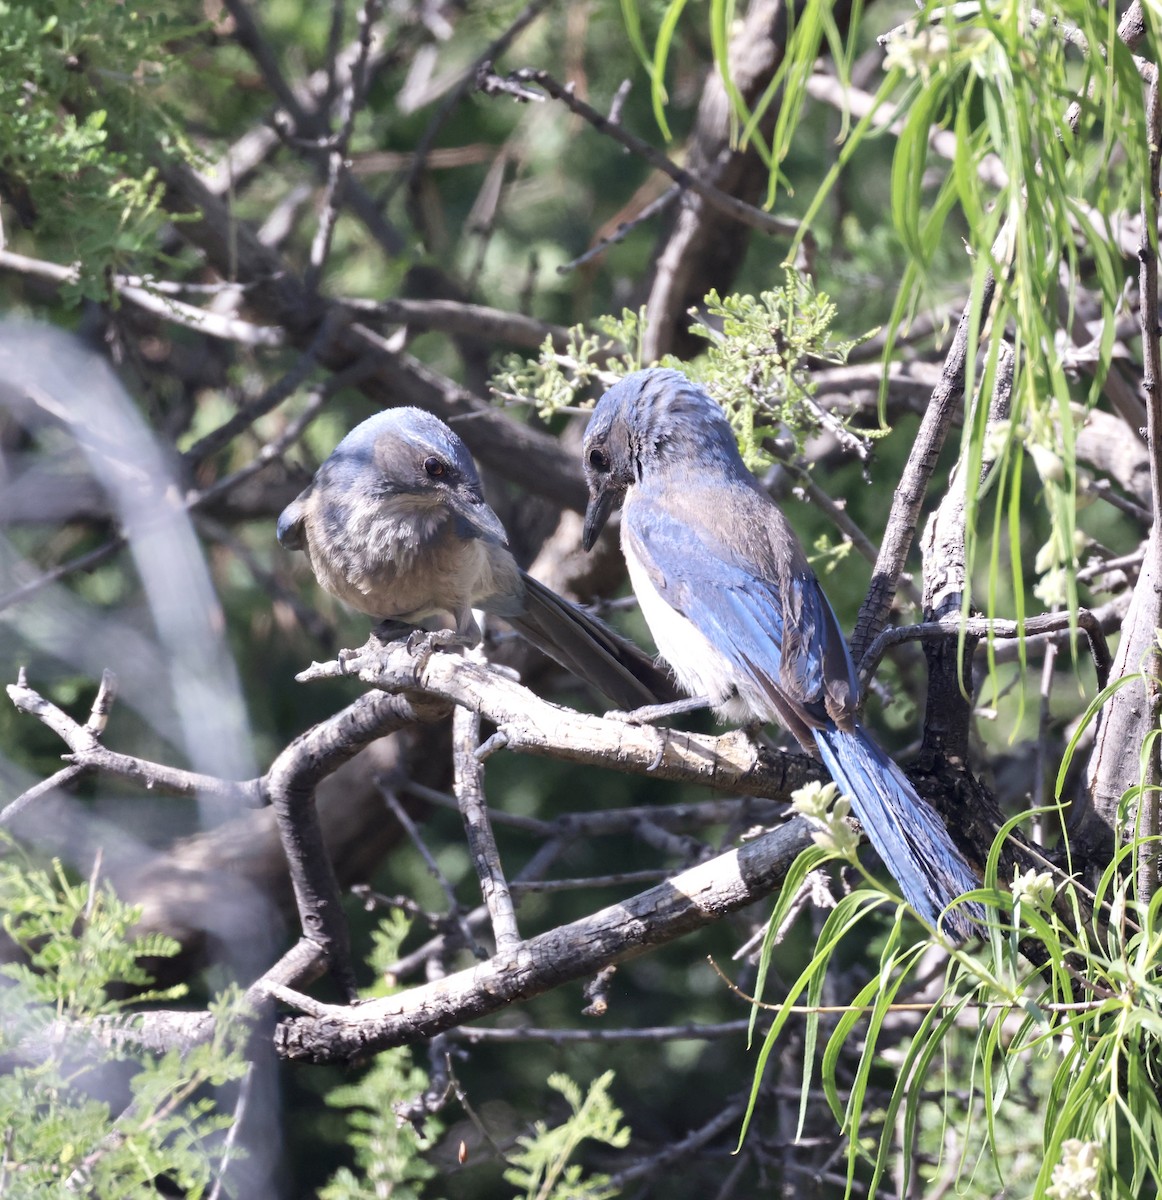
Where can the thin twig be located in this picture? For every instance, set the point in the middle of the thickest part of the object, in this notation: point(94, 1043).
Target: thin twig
point(61, 779)
point(471, 320)
point(231, 1138)
point(720, 201)
point(89, 754)
point(455, 910)
point(249, 412)
point(467, 81)
point(909, 494)
point(353, 95)
point(469, 783)
point(476, 1034)
point(317, 399)
point(623, 230)
point(615, 822)
point(619, 879)
point(435, 947)
point(726, 1117)
point(304, 112)
point(981, 627)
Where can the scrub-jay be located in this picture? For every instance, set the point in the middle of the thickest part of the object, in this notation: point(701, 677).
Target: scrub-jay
point(395, 524)
point(739, 615)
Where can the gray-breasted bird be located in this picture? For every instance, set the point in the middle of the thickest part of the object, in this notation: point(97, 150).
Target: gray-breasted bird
point(395, 524)
point(738, 613)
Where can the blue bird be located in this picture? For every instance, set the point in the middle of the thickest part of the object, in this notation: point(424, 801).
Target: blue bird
point(739, 615)
point(395, 524)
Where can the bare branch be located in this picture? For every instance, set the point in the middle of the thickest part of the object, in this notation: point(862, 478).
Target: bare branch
point(201, 320)
point(469, 783)
point(625, 930)
point(473, 320)
point(491, 52)
point(624, 228)
point(981, 627)
point(353, 94)
point(535, 726)
point(88, 755)
point(909, 495)
point(721, 202)
point(290, 784)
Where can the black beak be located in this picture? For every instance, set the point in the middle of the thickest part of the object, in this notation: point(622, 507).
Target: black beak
point(601, 502)
point(291, 531)
point(470, 507)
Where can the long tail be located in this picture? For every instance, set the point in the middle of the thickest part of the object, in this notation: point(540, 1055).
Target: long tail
point(590, 649)
point(903, 827)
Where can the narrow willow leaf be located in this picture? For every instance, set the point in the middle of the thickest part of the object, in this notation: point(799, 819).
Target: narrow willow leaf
point(808, 860)
point(843, 918)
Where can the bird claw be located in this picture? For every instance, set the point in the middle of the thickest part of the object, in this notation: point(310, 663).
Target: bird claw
point(346, 656)
point(423, 643)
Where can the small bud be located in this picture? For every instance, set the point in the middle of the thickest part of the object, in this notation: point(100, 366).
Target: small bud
point(818, 804)
point(1076, 1176)
point(1035, 888)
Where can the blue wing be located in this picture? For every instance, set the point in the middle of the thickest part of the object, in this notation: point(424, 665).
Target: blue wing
point(764, 612)
point(773, 624)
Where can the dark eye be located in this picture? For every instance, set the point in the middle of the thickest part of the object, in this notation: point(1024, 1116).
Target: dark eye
point(435, 468)
point(599, 460)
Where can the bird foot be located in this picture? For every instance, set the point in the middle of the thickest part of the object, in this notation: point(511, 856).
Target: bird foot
point(422, 643)
point(649, 713)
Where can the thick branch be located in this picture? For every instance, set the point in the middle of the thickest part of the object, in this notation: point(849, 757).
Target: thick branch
point(697, 897)
point(527, 723)
point(291, 783)
point(1133, 710)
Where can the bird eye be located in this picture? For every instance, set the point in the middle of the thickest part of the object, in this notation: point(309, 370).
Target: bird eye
point(599, 460)
point(435, 468)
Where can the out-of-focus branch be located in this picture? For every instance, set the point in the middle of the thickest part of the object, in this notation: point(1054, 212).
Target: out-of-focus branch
point(518, 452)
point(722, 202)
point(306, 109)
point(353, 95)
point(169, 308)
point(472, 320)
point(697, 250)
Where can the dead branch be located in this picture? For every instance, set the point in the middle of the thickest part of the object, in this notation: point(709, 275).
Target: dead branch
point(689, 901)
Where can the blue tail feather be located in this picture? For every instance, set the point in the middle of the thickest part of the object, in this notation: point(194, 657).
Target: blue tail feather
point(904, 828)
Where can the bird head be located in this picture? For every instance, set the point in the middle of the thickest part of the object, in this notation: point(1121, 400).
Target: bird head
point(649, 419)
point(404, 459)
